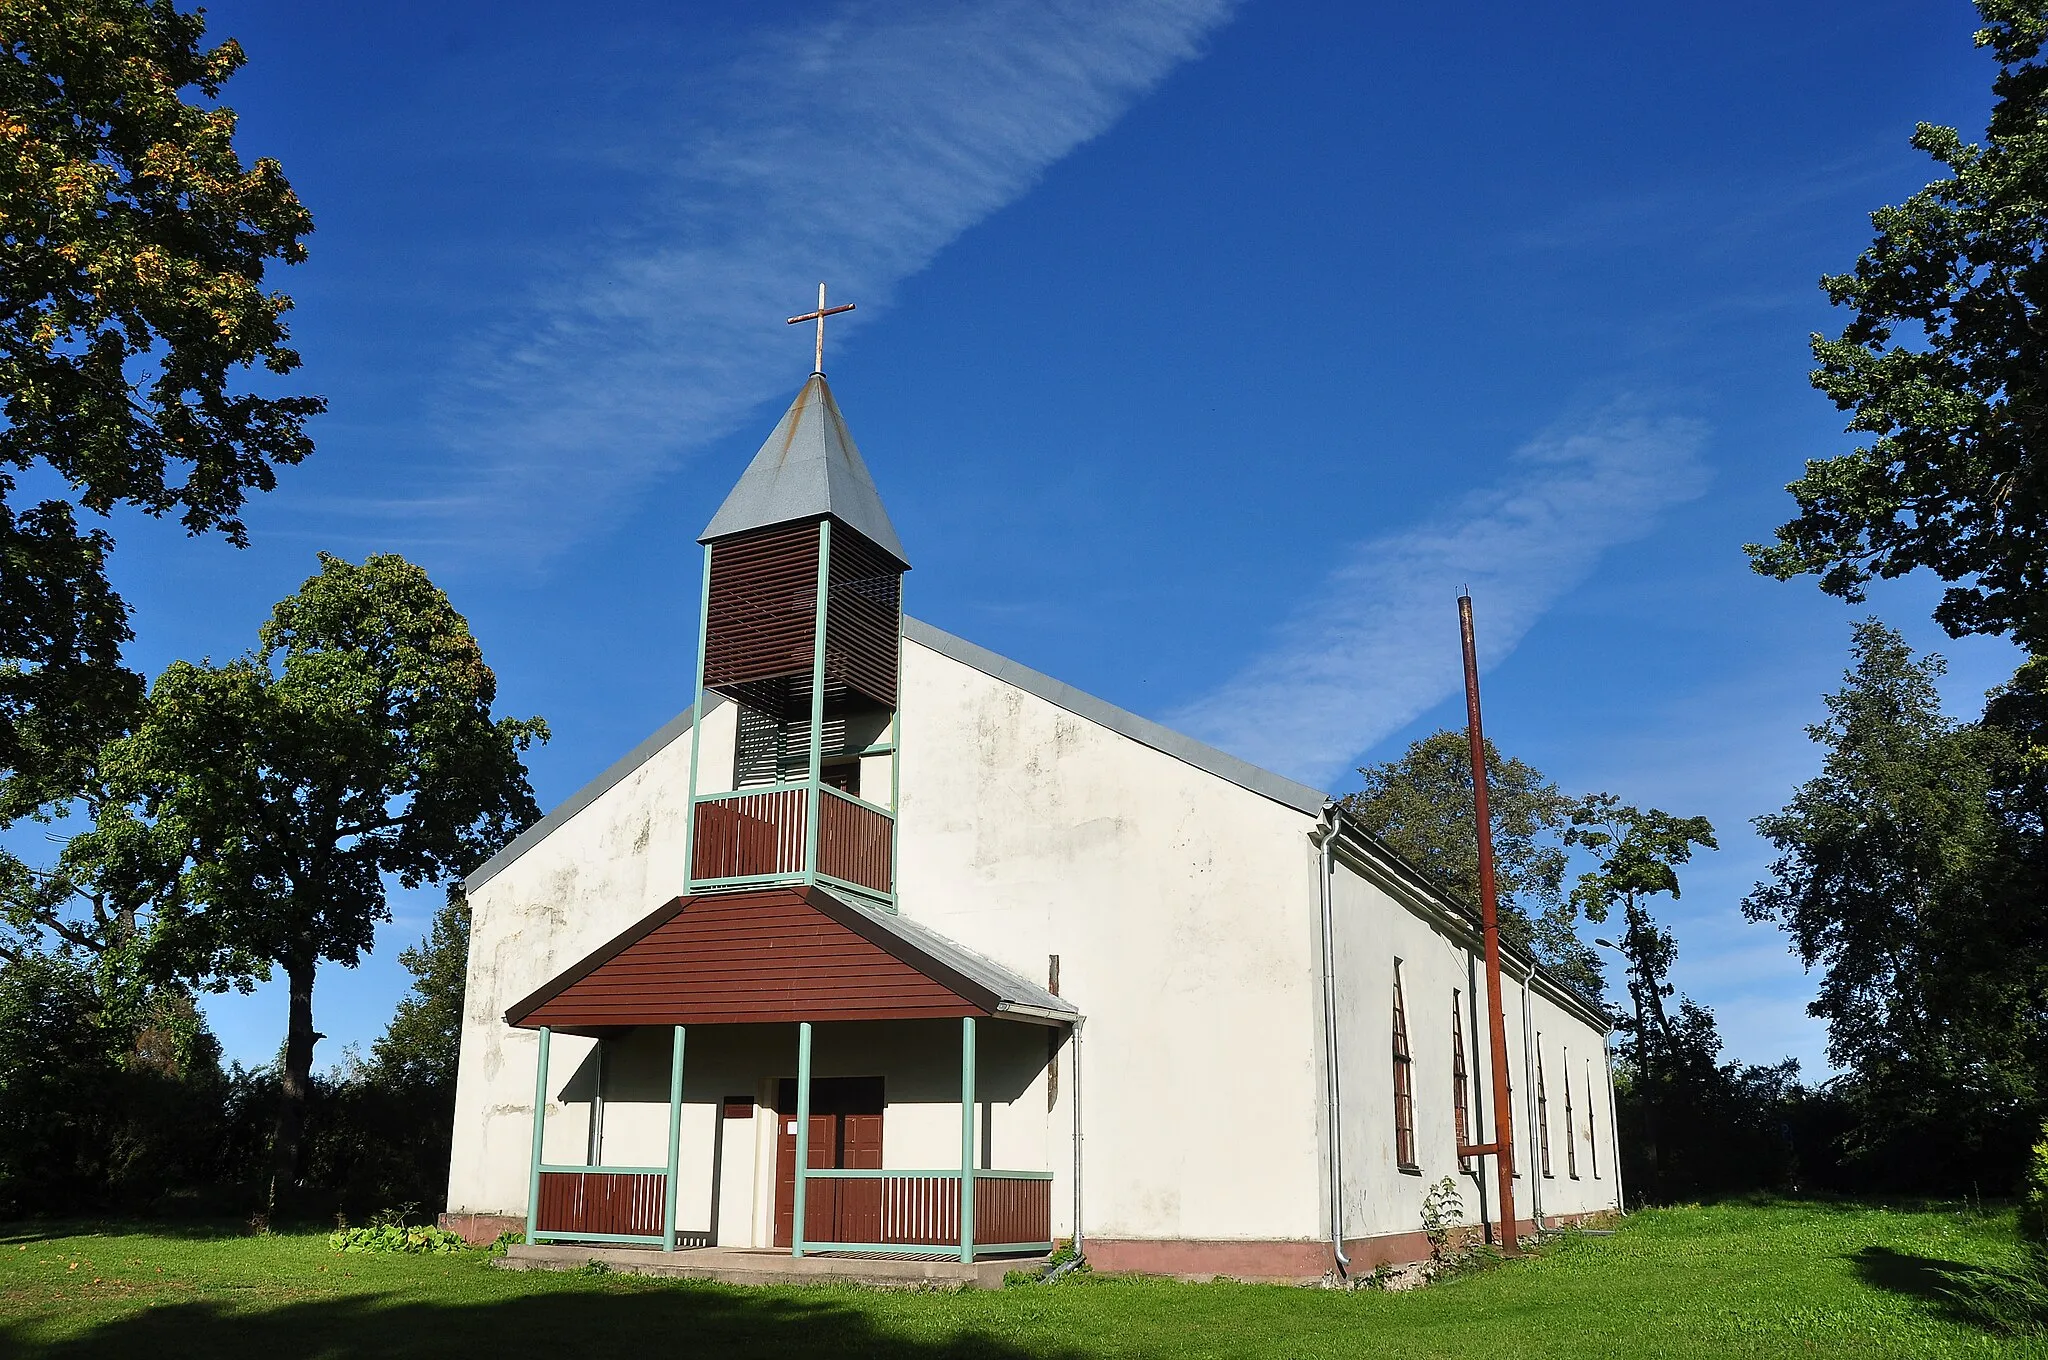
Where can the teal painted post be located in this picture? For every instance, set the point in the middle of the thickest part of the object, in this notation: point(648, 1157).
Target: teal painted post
point(967, 1139)
point(675, 1142)
point(803, 1135)
point(540, 1114)
point(896, 762)
point(697, 724)
point(814, 797)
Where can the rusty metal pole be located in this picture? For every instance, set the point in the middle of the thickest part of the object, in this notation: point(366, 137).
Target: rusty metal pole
point(1489, 928)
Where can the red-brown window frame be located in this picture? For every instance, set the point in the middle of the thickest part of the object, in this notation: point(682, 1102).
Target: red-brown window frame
point(1542, 1115)
point(1404, 1085)
point(1592, 1124)
point(1571, 1134)
point(1461, 1081)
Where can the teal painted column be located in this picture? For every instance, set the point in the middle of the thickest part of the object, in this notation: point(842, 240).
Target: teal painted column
point(896, 763)
point(803, 1135)
point(675, 1142)
point(813, 798)
point(540, 1114)
point(967, 1139)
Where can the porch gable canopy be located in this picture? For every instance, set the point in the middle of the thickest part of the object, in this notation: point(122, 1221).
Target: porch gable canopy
point(778, 954)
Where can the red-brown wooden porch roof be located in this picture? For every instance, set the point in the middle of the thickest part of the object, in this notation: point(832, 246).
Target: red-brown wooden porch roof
point(777, 954)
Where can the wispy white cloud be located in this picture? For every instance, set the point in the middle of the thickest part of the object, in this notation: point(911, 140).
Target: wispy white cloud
point(1368, 651)
point(853, 148)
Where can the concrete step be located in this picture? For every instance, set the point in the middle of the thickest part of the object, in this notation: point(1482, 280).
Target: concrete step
point(748, 1265)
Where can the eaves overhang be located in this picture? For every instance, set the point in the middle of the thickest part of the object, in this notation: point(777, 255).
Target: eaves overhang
point(757, 960)
point(1385, 868)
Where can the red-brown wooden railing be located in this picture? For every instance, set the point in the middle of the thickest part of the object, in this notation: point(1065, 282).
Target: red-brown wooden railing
point(853, 841)
point(892, 1210)
point(884, 1210)
point(1010, 1210)
point(606, 1203)
point(749, 835)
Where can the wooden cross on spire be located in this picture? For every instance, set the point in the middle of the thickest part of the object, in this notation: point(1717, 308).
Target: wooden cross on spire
point(818, 364)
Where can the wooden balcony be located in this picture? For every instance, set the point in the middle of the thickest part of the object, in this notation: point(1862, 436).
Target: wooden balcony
point(855, 841)
point(759, 835)
point(750, 835)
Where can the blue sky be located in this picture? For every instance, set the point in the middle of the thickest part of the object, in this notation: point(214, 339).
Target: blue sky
point(1203, 351)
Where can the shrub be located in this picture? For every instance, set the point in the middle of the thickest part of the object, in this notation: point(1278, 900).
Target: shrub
point(102, 1106)
point(1442, 1209)
point(420, 1239)
point(388, 1231)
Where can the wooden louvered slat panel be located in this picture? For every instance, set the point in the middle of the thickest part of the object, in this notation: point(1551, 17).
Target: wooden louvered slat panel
point(863, 618)
point(762, 608)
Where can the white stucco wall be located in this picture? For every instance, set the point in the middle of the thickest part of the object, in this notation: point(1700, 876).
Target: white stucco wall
point(1373, 930)
point(1562, 1038)
point(1184, 911)
point(596, 874)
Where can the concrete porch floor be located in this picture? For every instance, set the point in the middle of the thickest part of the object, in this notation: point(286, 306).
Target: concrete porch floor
point(760, 1265)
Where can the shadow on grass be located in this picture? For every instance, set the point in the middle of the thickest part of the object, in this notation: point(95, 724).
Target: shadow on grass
point(1994, 1299)
point(670, 1319)
point(182, 1230)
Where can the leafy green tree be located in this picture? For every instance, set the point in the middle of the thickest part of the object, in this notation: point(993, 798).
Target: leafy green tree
point(1672, 1060)
point(1422, 806)
point(131, 300)
point(355, 744)
point(1902, 878)
point(420, 1046)
point(1636, 857)
point(97, 903)
point(1944, 367)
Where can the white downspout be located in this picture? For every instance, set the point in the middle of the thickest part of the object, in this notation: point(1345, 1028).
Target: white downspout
point(1613, 1129)
point(1075, 1261)
point(1077, 1137)
point(1529, 1099)
point(1334, 1122)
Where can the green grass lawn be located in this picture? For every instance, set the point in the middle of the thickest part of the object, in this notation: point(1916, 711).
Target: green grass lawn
point(1729, 1280)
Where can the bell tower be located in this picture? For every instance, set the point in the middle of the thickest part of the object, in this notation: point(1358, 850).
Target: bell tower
point(802, 632)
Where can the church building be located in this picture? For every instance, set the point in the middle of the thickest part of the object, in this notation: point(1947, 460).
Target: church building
point(892, 954)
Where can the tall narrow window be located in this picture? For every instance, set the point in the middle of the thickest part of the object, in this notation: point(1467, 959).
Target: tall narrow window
point(1461, 1092)
point(1404, 1084)
point(1592, 1125)
point(1514, 1157)
point(1571, 1132)
point(1542, 1114)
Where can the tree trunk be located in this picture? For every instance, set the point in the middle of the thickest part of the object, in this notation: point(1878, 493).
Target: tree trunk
point(297, 1084)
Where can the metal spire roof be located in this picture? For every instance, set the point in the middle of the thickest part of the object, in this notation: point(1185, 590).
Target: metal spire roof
point(808, 467)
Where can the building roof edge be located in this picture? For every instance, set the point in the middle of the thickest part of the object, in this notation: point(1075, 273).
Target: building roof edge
point(1245, 775)
point(1301, 797)
point(614, 774)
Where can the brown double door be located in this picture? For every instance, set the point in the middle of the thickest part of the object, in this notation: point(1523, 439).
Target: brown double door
point(846, 1134)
